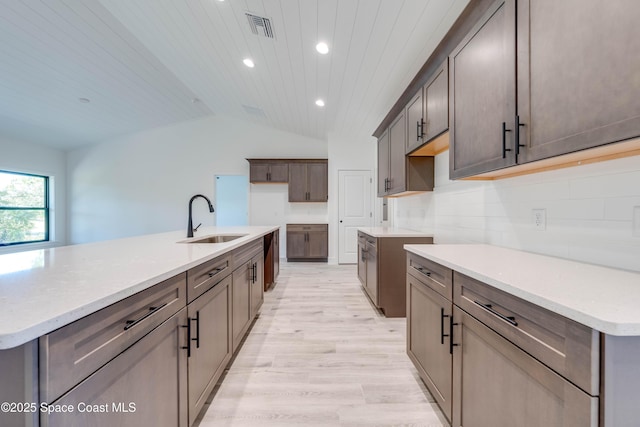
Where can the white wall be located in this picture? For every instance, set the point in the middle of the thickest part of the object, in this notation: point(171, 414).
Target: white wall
point(19, 156)
point(589, 211)
point(346, 153)
point(141, 183)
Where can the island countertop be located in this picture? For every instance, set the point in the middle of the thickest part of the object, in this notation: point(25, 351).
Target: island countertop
point(43, 290)
point(393, 232)
point(605, 299)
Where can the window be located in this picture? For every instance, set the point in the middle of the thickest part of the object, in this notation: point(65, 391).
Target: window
point(24, 208)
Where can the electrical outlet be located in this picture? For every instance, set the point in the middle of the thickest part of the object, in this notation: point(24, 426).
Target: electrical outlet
point(539, 219)
point(636, 221)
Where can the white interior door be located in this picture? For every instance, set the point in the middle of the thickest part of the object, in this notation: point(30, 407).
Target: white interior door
point(354, 210)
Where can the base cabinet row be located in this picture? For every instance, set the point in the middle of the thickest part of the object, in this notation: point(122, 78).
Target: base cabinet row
point(475, 371)
point(150, 359)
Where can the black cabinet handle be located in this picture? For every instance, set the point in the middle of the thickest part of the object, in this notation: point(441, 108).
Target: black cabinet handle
point(251, 273)
point(188, 346)
point(216, 271)
point(255, 272)
point(423, 271)
point(422, 128)
point(504, 140)
point(197, 338)
point(517, 136)
point(509, 319)
point(418, 136)
point(442, 334)
point(451, 325)
point(131, 323)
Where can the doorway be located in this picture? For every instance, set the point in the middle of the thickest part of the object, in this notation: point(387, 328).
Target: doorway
point(232, 200)
point(354, 210)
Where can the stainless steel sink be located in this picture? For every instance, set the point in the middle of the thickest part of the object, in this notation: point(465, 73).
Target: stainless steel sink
point(217, 238)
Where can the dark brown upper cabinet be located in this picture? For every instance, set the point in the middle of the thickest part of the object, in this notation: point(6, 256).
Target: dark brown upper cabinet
point(398, 173)
point(268, 170)
point(308, 181)
point(482, 97)
point(578, 75)
point(547, 79)
point(428, 110)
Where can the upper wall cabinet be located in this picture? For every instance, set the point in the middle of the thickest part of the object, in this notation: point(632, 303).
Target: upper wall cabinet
point(576, 83)
point(308, 181)
point(483, 90)
point(428, 111)
point(398, 173)
point(268, 170)
point(578, 75)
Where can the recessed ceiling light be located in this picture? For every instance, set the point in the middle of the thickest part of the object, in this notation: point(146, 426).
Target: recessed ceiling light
point(323, 48)
point(319, 102)
point(84, 100)
point(248, 62)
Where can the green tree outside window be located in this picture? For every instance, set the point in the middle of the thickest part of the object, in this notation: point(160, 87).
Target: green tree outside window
point(24, 210)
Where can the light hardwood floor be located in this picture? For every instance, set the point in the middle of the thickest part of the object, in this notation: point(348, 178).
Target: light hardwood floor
point(320, 355)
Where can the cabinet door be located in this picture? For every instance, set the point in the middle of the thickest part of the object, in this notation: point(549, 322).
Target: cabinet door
point(297, 182)
point(482, 79)
point(278, 172)
point(498, 383)
point(296, 244)
point(397, 141)
point(257, 284)
point(415, 123)
point(258, 172)
point(372, 275)
point(317, 245)
point(383, 163)
point(210, 325)
point(362, 263)
point(578, 83)
point(240, 303)
point(427, 340)
point(276, 255)
point(146, 385)
point(317, 182)
point(436, 103)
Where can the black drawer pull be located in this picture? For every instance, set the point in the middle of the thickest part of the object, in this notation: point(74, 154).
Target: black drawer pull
point(451, 325)
point(188, 346)
point(423, 271)
point(509, 319)
point(504, 140)
point(152, 310)
point(216, 271)
point(197, 338)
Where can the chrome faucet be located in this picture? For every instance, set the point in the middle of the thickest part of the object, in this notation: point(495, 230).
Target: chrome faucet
point(190, 226)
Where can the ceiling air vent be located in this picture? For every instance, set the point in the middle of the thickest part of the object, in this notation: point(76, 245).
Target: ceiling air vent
point(260, 26)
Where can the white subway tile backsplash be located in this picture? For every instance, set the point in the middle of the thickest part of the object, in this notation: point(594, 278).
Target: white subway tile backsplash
point(588, 209)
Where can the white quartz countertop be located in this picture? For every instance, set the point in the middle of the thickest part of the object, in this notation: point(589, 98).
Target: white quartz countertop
point(604, 299)
point(393, 232)
point(45, 289)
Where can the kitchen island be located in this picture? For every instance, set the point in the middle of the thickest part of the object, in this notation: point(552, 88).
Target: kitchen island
point(496, 332)
point(86, 326)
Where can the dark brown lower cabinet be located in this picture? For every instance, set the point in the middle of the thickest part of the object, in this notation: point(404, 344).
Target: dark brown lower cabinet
point(307, 242)
point(210, 318)
point(498, 384)
point(271, 259)
point(144, 385)
point(428, 347)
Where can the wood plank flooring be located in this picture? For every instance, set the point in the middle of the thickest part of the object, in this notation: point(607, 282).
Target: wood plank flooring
point(320, 355)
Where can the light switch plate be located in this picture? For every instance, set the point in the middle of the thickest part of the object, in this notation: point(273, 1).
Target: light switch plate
point(636, 221)
point(539, 219)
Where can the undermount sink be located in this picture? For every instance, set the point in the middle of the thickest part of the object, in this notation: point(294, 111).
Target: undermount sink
point(217, 238)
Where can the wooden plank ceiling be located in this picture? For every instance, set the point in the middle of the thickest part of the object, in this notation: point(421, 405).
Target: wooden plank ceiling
point(149, 63)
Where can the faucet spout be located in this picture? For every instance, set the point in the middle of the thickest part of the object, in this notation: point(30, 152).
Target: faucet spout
point(190, 225)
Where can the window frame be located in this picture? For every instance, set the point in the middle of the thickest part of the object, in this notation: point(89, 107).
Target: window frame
point(45, 208)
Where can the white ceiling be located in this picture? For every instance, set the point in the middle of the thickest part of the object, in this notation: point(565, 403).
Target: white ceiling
point(142, 63)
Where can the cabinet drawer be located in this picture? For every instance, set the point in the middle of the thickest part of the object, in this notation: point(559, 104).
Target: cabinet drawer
point(567, 347)
point(203, 277)
point(245, 253)
point(73, 352)
point(307, 227)
point(362, 239)
point(437, 277)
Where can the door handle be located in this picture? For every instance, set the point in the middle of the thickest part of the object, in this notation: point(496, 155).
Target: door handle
point(442, 334)
point(504, 140)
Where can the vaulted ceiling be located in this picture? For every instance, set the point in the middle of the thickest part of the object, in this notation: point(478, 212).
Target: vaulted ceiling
point(142, 64)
